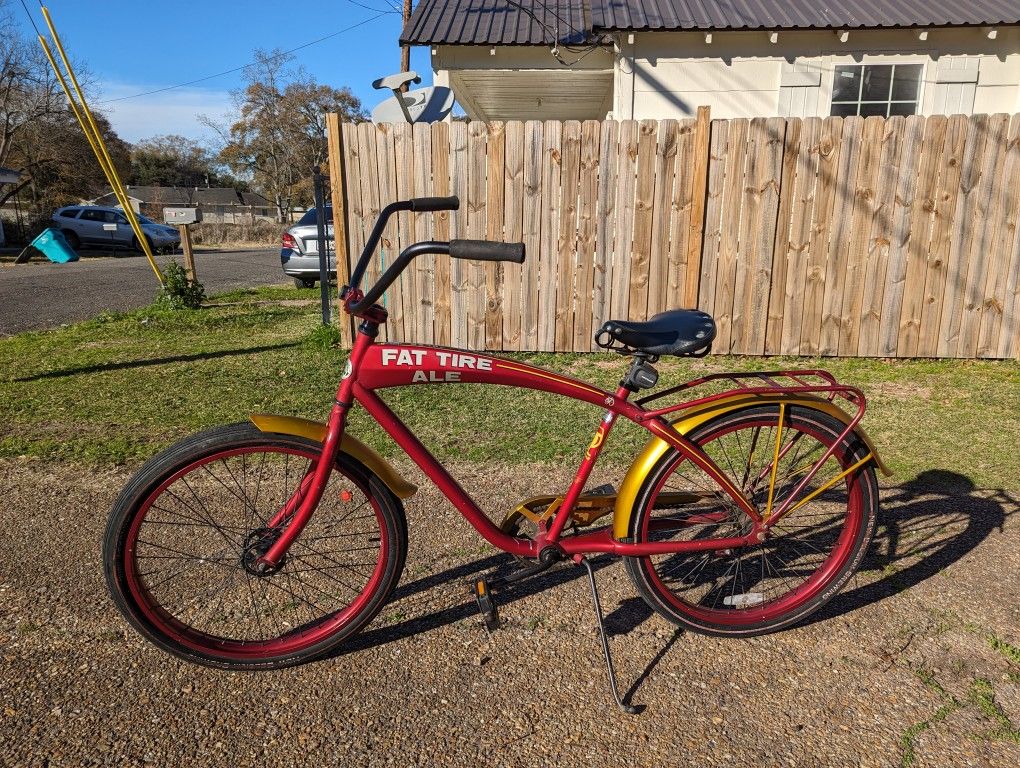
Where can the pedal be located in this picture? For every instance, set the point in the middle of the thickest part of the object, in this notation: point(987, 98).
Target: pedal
point(486, 605)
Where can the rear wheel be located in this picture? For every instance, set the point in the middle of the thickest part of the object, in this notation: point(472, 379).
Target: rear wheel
point(809, 554)
point(304, 282)
point(183, 538)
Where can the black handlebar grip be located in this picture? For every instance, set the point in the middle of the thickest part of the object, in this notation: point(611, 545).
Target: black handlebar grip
point(486, 250)
point(425, 204)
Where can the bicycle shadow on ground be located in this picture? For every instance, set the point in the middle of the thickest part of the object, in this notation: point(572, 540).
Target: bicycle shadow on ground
point(925, 525)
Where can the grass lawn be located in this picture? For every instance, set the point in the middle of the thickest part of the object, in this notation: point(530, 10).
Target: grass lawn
point(121, 387)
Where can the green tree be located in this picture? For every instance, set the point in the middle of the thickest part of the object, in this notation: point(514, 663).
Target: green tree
point(279, 131)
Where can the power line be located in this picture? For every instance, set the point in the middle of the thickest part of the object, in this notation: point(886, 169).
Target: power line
point(245, 66)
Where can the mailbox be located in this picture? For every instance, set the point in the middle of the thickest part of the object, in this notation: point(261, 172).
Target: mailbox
point(182, 215)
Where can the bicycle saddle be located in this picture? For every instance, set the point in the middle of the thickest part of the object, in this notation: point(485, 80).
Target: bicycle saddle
point(681, 332)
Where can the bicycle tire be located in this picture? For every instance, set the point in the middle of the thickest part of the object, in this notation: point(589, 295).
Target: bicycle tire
point(205, 502)
point(689, 589)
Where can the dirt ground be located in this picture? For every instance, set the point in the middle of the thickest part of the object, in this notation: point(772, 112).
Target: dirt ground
point(900, 669)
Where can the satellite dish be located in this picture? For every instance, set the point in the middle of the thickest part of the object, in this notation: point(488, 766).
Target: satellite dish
point(425, 105)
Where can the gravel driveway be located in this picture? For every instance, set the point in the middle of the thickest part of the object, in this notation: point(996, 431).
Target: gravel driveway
point(43, 295)
point(904, 647)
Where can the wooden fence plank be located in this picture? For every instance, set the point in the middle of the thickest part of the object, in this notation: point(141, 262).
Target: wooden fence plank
point(566, 241)
point(964, 232)
point(872, 300)
point(494, 270)
point(1008, 320)
point(662, 197)
point(459, 229)
point(533, 224)
point(783, 269)
point(424, 266)
point(986, 226)
point(764, 193)
point(355, 212)
point(389, 245)
point(403, 152)
point(928, 228)
point(699, 197)
point(369, 172)
point(623, 248)
point(441, 308)
point(477, 214)
point(726, 268)
point(551, 160)
point(904, 201)
point(584, 278)
point(864, 209)
point(605, 257)
point(643, 202)
point(338, 198)
point(823, 210)
point(709, 260)
point(513, 222)
point(839, 239)
point(677, 293)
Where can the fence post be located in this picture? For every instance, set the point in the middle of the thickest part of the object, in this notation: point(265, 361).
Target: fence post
point(320, 227)
point(699, 193)
point(338, 197)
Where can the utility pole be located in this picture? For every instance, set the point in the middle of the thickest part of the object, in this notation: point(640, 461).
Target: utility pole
point(405, 50)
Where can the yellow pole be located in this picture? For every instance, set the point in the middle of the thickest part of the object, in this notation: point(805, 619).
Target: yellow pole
point(105, 161)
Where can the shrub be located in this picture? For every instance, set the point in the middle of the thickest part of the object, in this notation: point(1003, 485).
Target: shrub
point(178, 291)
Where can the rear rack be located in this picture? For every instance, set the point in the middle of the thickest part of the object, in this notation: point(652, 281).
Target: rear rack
point(809, 381)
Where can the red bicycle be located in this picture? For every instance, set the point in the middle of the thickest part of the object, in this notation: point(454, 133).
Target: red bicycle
point(268, 543)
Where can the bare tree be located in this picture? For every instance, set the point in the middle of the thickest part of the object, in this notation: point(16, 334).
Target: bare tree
point(279, 130)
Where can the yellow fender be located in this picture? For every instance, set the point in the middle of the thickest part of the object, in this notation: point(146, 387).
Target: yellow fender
point(313, 430)
point(695, 417)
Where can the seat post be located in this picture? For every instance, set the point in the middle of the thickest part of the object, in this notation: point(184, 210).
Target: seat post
point(641, 374)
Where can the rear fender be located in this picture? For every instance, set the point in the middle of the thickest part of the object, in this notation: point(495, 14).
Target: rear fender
point(655, 448)
point(313, 430)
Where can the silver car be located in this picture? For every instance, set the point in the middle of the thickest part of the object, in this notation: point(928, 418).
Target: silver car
point(98, 225)
point(299, 252)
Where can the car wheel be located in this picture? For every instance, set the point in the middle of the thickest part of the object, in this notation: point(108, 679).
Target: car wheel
point(138, 247)
point(72, 239)
point(304, 282)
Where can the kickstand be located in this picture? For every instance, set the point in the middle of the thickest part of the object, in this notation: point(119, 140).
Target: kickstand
point(630, 709)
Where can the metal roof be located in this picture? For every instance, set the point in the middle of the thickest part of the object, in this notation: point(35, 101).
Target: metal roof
point(497, 22)
point(625, 15)
point(544, 22)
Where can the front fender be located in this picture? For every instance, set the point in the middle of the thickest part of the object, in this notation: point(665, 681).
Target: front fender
point(313, 430)
point(695, 417)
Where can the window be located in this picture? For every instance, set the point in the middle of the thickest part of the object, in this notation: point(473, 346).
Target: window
point(309, 216)
point(93, 215)
point(875, 89)
point(69, 213)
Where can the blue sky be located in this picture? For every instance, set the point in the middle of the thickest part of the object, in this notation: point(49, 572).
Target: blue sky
point(133, 47)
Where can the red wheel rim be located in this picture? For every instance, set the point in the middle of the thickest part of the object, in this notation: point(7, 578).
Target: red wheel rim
point(300, 638)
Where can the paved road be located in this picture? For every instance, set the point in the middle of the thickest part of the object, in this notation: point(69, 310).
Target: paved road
point(42, 295)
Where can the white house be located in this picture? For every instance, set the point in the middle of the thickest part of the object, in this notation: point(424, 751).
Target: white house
point(636, 59)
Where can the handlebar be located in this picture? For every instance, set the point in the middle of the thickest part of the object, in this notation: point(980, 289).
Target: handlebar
point(473, 250)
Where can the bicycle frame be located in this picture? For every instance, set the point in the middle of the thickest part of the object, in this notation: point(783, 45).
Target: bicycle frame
point(375, 366)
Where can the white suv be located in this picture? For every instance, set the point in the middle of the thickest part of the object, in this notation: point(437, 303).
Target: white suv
point(101, 226)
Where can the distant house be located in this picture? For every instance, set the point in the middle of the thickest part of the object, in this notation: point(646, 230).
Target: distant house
point(220, 205)
point(635, 59)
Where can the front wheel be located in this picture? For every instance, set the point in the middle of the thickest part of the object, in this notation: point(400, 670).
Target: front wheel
point(809, 554)
point(184, 536)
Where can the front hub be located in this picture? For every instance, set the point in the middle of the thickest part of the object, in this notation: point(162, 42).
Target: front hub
point(256, 545)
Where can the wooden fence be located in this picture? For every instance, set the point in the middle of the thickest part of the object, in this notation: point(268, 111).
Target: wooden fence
point(838, 236)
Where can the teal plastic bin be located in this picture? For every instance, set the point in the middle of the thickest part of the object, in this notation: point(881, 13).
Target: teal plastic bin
point(53, 245)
